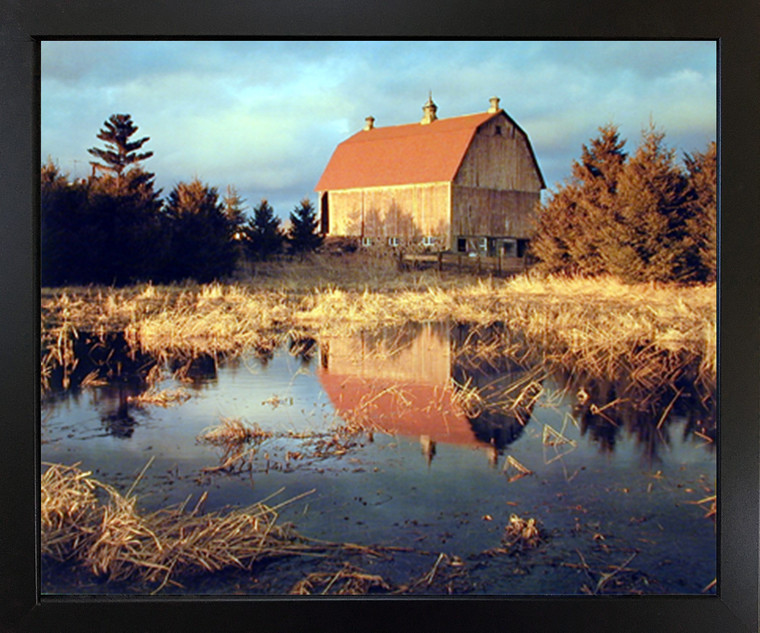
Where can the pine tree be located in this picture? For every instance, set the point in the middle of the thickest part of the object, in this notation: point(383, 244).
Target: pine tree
point(233, 208)
point(702, 171)
point(553, 231)
point(597, 175)
point(302, 235)
point(567, 226)
point(641, 218)
point(201, 244)
point(62, 247)
point(120, 153)
point(263, 232)
point(649, 240)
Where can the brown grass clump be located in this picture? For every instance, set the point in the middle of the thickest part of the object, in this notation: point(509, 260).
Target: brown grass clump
point(67, 511)
point(232, 434)
point(112, 539)
point(521, 533)
point(347, 581)
point(233, 431)
point(161, 398)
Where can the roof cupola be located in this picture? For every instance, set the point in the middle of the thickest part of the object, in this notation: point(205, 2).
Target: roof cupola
point(494, 104)
point(429, 110)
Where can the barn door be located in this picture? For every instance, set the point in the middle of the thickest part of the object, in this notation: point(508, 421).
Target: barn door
point(324, 214)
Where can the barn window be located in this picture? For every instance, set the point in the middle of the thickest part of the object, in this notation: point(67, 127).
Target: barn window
point(497, 130)
point(428, 240)
point(461, 245)
point(392, 241)
point(366, 241)
point(483, 243)
point(510, 248)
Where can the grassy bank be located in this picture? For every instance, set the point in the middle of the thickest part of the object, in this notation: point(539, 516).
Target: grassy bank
point(598, 326)
point(90, 524)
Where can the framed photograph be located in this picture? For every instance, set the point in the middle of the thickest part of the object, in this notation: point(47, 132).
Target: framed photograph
point(341, 327)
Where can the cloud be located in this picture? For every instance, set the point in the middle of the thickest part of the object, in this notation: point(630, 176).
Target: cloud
point(266, 116)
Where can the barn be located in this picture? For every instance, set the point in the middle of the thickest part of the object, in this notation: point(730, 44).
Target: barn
point(466, 184)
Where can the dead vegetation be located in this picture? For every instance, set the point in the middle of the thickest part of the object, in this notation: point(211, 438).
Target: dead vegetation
point(521, 533)
point(161, 398)
point(91, 523)
point(233, 431)
point(596, 326)
point(349, 580)
point(243, 443)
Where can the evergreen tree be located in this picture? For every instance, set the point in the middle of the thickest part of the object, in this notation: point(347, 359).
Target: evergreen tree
point(200, 233)
point(649, 240)
point(62, 243)
point(120, 153)
point(125, 220)
point(567, 225)
point(702, 169)
point(263, 232)
point(233, 208)
point(597, 175)
point(233, 211)
point(302, 235)
point(554, 227)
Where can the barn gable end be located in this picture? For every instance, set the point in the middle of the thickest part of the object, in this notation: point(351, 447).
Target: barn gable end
point(434, 182)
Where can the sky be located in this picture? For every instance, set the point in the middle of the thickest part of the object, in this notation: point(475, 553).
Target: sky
point(265, 116)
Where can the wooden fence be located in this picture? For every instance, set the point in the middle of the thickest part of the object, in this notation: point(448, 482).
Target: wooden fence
point(500, 266)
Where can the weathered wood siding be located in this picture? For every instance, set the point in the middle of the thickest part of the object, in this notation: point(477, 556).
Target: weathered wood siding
point(499, 158)
point(418, 354)
point(497, 185)
point(408, 212)
point(493, 213)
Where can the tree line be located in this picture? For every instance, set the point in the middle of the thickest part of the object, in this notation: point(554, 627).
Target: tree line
point(114, 228)
point(642, 217)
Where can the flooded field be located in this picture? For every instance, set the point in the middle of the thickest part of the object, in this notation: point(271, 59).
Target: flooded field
point(436, 461)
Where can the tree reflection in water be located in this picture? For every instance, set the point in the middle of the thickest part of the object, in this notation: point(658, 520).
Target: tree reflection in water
point(493, 394)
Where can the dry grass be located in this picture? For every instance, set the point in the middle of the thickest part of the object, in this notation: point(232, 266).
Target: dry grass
point(233, 431)
point(521, 533)
point(90, 522)
point(349, 580)
point(160, 398)
point(595, 326)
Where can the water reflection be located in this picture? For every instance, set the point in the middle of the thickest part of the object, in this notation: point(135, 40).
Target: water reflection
point(96, 358)
point(196, 371)
point(119, 421)
point(458, 384)
point(604, 411)
point(439, 383)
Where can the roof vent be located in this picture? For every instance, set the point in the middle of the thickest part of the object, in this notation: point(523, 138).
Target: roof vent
point(429, 110)
point(494, 104)
point(369, 123)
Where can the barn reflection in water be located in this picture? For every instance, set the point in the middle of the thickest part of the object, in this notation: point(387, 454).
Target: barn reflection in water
point(416, 381)
point(452, 384)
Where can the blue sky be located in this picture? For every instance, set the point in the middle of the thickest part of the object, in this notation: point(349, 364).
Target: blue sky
point(266, 116)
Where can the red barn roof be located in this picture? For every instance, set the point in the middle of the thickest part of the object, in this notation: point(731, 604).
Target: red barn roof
point(408, 409)
point(402, 154)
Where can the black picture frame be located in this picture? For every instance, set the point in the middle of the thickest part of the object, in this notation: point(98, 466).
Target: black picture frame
point(733, 23)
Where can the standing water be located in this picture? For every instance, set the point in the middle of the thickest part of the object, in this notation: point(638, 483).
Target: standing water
point(451, 468)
